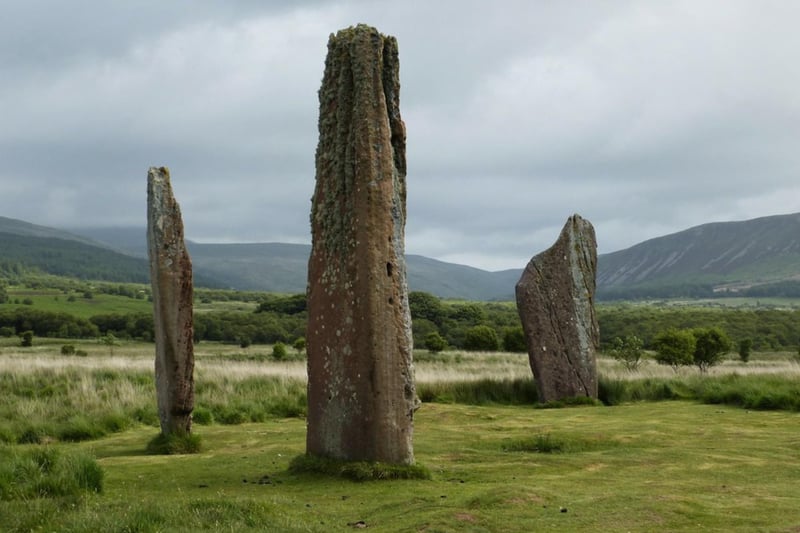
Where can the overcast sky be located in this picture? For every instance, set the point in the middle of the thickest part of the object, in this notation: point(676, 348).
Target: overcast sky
point(645, 117)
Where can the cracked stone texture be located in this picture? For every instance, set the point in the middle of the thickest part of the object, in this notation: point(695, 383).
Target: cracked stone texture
point(361, 393)
point(171, 279)
point(555, 300)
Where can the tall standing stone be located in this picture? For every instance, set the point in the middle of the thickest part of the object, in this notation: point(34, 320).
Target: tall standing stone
point(171, 279)
point(555, 299)
point(361, 393)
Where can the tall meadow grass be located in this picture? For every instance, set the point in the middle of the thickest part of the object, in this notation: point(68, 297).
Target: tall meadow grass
point(45, 396)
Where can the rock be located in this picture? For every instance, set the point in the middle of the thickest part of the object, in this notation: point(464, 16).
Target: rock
point(361, 393)
point(171, 279)
point(555, 299)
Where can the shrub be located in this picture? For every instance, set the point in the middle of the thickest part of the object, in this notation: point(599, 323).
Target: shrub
point(244, 342)
point(434, 342)
point(26, 339)
point(356, 470)
point(202, 416)
point(514, 340)
point(300, 345)
point(627, 351)
point(711, 344)
point(745, 346)
point(7, 331)
point(27, 301)
point(674, 347)
point(481, 338)
point(279, 352)
point(174, 444)
point(47, 472)
point(68, 349)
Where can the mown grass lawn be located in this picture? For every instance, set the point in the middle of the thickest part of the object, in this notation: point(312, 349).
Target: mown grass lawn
point(668, 466)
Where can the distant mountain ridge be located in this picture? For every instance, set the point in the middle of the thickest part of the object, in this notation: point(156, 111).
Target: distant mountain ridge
point(282, 267)
point(717, 258)
point(722, 256)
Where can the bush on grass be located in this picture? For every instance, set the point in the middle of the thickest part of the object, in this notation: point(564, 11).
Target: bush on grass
point(47, 472)
point(174, 444)
point(356, 470)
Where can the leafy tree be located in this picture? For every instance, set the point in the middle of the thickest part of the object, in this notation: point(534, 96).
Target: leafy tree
point(745, 346)
point(711, 344)
point(284, 305)
point(434, 342)
point(26, 339)
point(279, 352)
point(627, 351)
point(6, 331)
point(426, 306)
point(244, 342)
point(470, 313)
point(421, 328)
point(481, 338)
point(3, 294)
point(674, 347)
point(300, 345)
point(514, 340)
point(110, 340)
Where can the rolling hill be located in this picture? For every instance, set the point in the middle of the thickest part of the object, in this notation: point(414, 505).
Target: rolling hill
point(755, 258)
point(281, 267)
point(722, 257)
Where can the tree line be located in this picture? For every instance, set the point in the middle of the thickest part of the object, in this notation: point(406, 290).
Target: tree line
point(436, 324)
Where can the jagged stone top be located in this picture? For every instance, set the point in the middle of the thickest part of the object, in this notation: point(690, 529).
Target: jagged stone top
point(164, 221)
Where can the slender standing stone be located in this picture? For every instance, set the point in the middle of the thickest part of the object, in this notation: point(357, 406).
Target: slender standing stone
point(555, 300)
point(171, 279)
point(361, 393)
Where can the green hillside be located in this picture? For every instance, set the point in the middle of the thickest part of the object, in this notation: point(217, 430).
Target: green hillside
point(752, 257)
point(72, 258)
point(759, 257)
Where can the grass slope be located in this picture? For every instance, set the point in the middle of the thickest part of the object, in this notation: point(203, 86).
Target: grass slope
point(56, 301)
point(670, 466)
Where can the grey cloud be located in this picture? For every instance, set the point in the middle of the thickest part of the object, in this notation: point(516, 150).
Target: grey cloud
point(645, 118)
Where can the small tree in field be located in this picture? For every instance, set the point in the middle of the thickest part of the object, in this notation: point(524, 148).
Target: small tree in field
point(711, 344)
point(514, 340)
point(481, 338)
point(627, 351)
point(279, 352)
point(26, 339)
point(434, 342)
point(109, 340)
point(674, 347)
point(299, 345)
point(745, 345)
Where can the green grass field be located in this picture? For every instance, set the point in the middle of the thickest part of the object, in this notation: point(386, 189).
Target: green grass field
point(645, 466)
point(75, 304)
point(671, 466)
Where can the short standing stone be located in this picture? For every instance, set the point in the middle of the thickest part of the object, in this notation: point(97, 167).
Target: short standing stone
point(361, 394)
point(555, 299)
point(171, 279)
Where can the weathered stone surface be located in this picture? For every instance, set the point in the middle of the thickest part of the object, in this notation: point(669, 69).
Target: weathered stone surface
point(361, 393)
point(171, 279)
point(555, 299)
